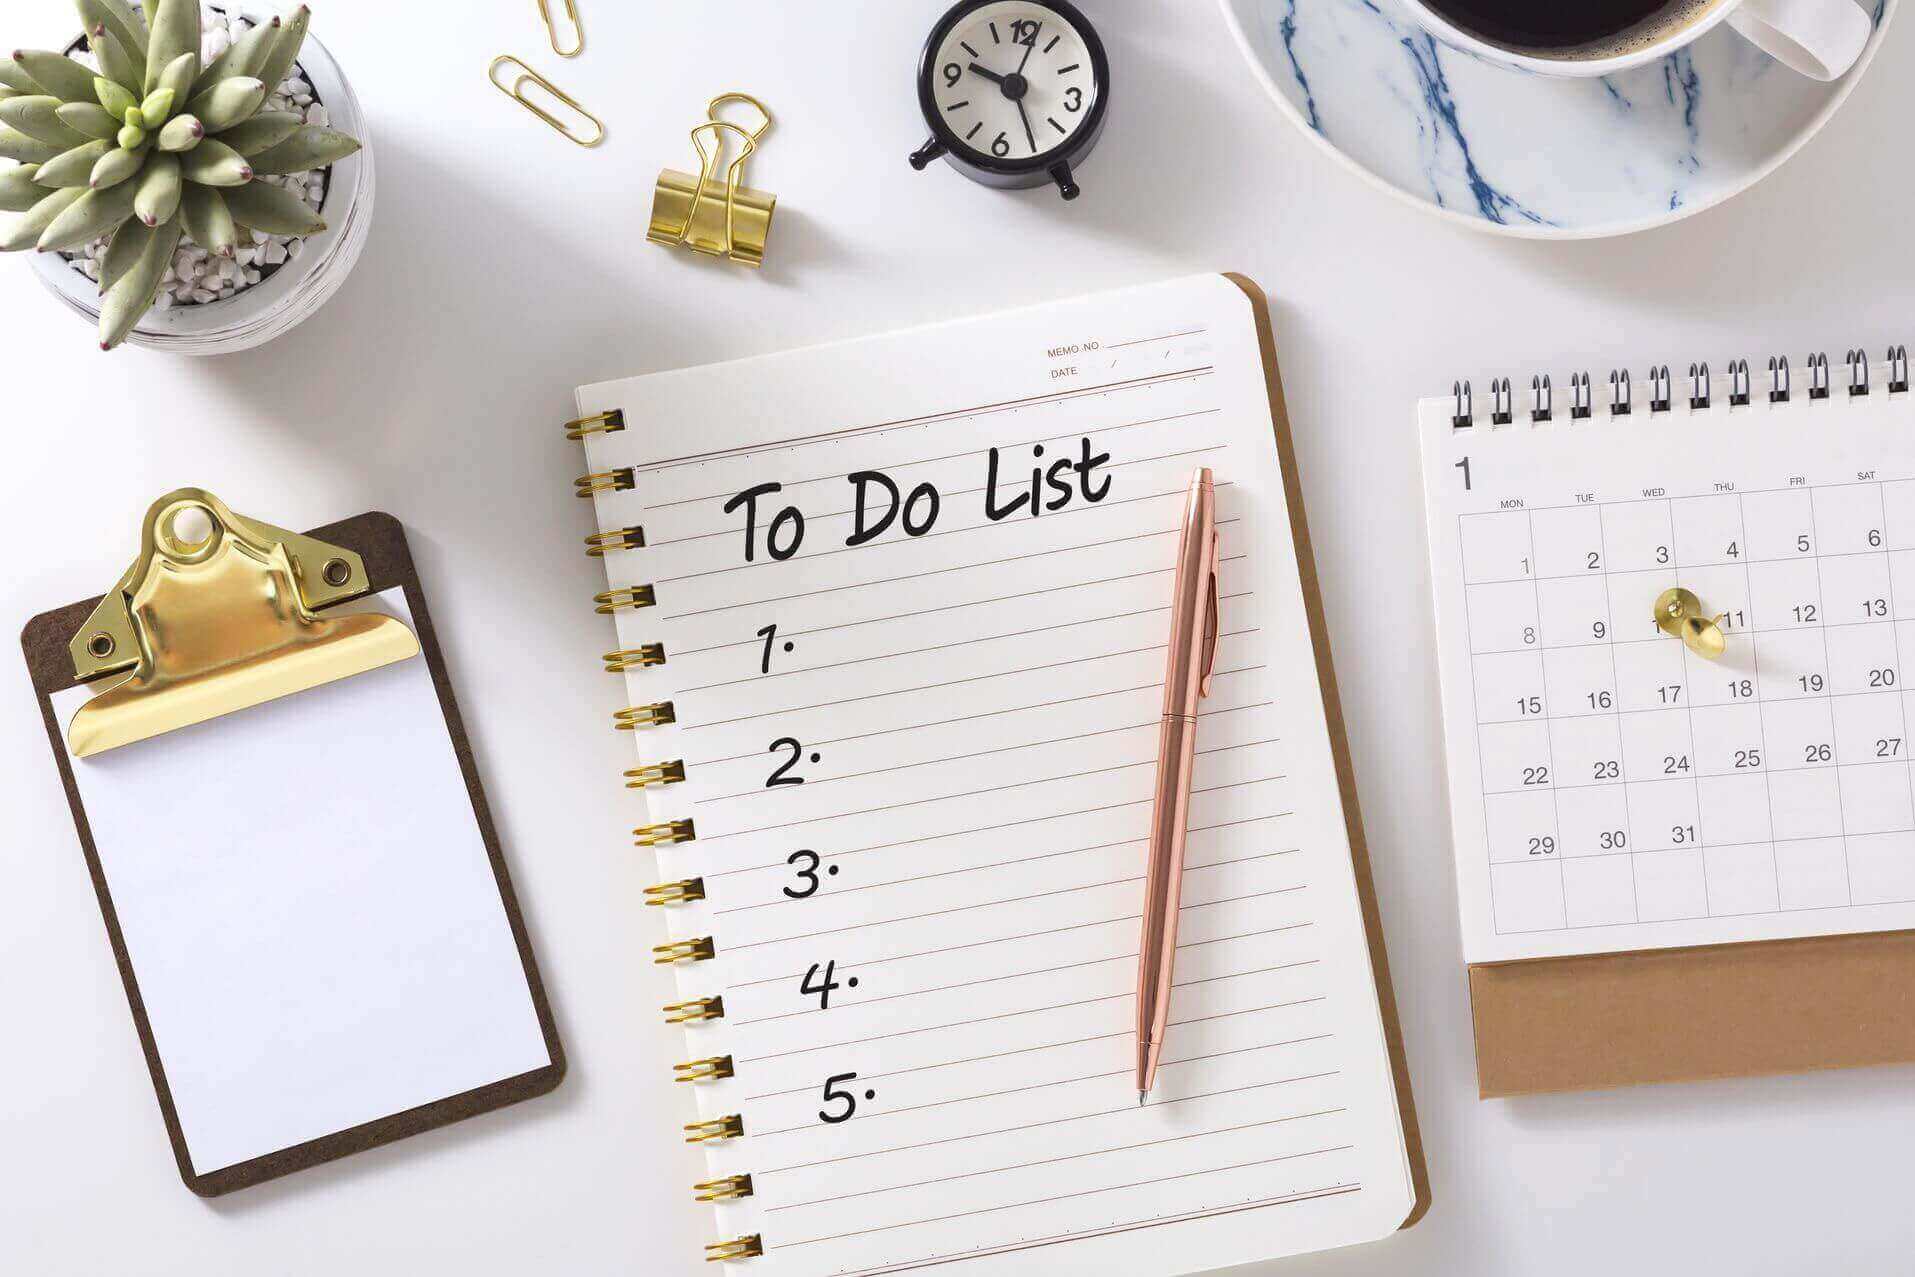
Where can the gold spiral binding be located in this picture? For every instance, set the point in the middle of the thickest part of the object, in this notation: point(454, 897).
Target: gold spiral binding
point(675, 893)
point(697, 1011)
point(632, 538)
point(729, 1127)
point(699, 950)
point(630, 596)
point(712, 1068)
point(597, 423)
point(664, 835)
point(633, 717)
point(641, 657)
point(655, 774)
point(619, 480)
point(750, 1246)
point(728, 1189)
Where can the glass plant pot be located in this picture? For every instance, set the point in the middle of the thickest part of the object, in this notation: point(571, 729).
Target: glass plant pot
point(295, 290)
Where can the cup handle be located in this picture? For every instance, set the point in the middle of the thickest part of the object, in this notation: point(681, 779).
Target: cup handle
point(1819, 38)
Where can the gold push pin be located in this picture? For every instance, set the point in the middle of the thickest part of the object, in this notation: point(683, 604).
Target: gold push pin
point(1679, 614)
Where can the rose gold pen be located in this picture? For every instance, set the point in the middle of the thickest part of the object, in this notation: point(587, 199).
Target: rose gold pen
point(1193, 651)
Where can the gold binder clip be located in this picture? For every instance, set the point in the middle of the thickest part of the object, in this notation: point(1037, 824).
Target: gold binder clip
point(748, 1247)
point(516, 91)
point(688, 209)
point(729, 1127)
point(552, 28)
point(1679, 614)
point(217, 614)
point(730, 1188)
point(664, 835)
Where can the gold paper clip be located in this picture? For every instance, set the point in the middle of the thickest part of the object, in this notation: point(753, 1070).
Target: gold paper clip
point(516, 91)
point(687, 208)
point(220, 613)
point(552, 28)
point(1679, 614)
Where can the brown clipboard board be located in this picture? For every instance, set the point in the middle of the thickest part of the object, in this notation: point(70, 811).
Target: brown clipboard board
point(381, 541)
point(1340, 748)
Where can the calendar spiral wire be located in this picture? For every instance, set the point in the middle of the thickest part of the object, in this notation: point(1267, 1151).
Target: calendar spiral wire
point(1736, 388)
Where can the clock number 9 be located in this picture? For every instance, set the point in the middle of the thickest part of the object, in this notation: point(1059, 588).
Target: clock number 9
point(952, 74)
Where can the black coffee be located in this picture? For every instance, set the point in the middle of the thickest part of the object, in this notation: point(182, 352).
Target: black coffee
point(1563, 24)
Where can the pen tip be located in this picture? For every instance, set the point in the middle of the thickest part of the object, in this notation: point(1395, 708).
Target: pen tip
point(1140, 1098)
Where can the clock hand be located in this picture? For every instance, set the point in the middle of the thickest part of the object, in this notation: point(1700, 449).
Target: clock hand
point(1027, 50)
point(989, 75)
point(1025, 116)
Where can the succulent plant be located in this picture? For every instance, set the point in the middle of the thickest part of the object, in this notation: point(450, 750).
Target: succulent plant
point(154, 147)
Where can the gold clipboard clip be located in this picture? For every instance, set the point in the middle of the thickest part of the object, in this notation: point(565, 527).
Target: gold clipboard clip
point(688, 209)
point(217, 614)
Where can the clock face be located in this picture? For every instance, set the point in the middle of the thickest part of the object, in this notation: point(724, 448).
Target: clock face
point(1013, 82)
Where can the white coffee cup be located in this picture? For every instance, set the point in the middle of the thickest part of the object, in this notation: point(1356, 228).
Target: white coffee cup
point(1819, 38)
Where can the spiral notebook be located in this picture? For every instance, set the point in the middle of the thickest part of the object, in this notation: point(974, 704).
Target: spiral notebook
point(1616, 792)
point(891, 618)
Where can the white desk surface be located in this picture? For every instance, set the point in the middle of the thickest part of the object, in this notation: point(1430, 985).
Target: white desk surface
point(506, 266)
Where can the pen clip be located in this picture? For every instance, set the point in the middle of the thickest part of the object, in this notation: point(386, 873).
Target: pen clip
point(1209, 658)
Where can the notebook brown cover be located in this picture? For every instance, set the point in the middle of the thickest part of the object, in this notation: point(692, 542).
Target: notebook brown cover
point(381, 542)
point(1340, 746)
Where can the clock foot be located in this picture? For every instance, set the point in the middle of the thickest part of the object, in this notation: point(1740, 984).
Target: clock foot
point(1061, 174)
point(931, 150)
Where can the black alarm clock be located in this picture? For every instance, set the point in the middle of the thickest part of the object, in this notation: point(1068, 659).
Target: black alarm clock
point(1014, 92)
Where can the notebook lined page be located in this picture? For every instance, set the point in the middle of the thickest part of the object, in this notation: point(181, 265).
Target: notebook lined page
point(919, 753)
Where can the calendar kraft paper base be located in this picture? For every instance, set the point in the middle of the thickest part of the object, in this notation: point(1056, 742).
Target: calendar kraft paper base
point(1592, 1022)
point(380, 540)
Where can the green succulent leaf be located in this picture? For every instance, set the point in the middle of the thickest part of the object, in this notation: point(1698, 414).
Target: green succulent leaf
point(119, 65)
point(292, 35)
point(74, 167)
point(228, 102)
point(116, 166)
point(177, 76)
point(18, 191)
point(89, 119)
point(266, 129)
point(132, 293)
point(122, 251)
point(26, 231)
point(16, 79)
point(208, 220)
point(273, 209)
point(310, 147)
point(243, 57)
point(6, 93)
point(57, 74)
point(114, 97)
point(118, 17)
point(182, 133)
point(38, 118)
point(92, 215)
point(131, 138)
point(213, 163)
point(157, 106)
point(15, 145)
point(174, 31)
point(160, 185)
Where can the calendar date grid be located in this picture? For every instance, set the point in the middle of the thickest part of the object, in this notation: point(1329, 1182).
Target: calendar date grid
point(1625, 779)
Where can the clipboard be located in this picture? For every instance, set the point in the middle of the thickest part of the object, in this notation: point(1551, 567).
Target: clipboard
point(391, 987)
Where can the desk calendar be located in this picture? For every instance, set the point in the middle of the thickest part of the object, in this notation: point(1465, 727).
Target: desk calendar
point(1613, 790)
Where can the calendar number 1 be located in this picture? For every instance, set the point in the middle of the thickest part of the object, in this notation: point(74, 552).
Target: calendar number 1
point(1463, 465)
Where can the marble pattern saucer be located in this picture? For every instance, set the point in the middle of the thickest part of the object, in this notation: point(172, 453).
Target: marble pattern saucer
point(1515, 153)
